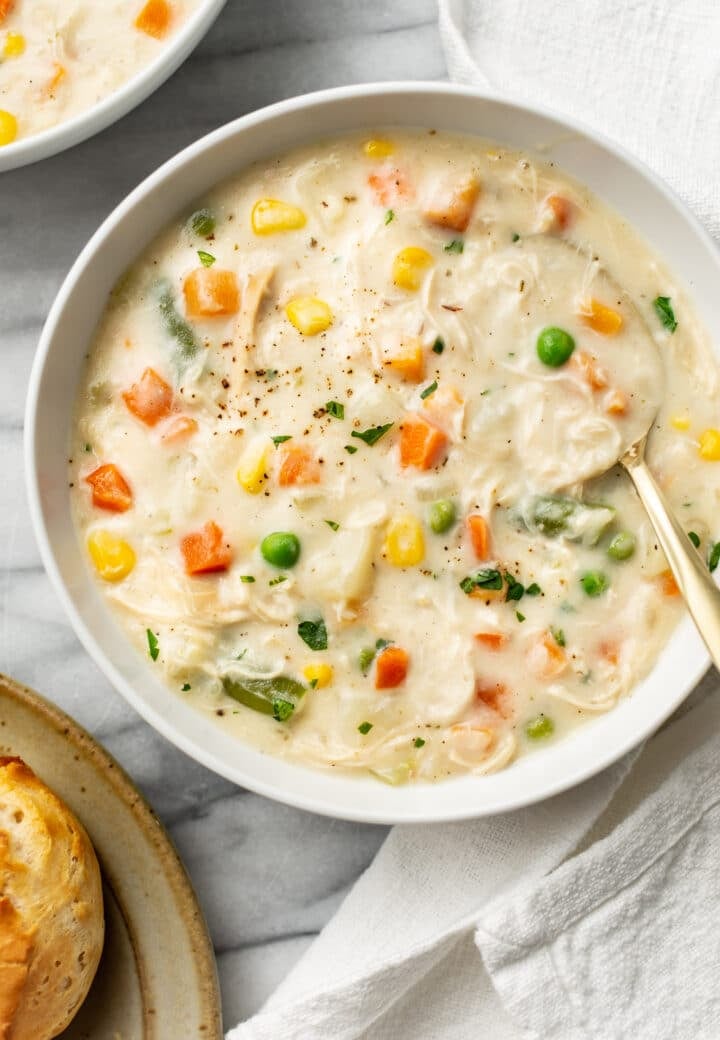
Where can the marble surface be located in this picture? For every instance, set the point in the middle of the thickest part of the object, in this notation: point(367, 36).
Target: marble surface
point(268, 877)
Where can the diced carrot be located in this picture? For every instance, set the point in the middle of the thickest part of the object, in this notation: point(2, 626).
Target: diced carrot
point(150, 399)
point(391, 667)
point(493, 696)
point(390, 185)
point(492, 640)
point(421, 444)
point(668, 585)
point(479, 535)
point(617, 403)
point(110, 490)
point(154, 19)
point(6, 7)
point(205, 550)
point(454, 209)
point(600, 318)
point(561, 210)
point(298, 466)
point(445, 408)
point(609, 651)
point(546, 658)
point(179, 429)
point(211, 293)
point(409, 363)
point(593, 373)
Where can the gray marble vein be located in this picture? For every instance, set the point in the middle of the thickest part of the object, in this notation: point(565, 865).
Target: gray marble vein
point(268, 877)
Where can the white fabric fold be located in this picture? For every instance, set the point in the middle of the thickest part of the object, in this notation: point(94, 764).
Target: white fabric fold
point(596, 915)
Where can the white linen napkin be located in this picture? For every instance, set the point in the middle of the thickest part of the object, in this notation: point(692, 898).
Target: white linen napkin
point(596, 915)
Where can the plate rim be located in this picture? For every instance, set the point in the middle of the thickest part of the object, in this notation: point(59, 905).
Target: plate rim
point(174, 871)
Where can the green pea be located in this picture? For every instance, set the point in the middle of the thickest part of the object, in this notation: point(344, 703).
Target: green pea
point(622, 546)
point(442, 515)
point(554, 346)
point(594, 583)
point(540, 727)
point(281, 549)
point(202, 222)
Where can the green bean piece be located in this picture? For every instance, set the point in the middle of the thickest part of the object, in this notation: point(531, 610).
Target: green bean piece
point(202, 222)
point(277, 697)
point(186, 343)
point(622, 546)
point(442, 515)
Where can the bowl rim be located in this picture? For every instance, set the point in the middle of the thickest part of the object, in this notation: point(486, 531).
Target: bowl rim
point(395, 812)
point(117, 103)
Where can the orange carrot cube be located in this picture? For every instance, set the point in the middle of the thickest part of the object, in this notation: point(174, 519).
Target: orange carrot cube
point(298, 466)
point(110, 490)
point(479, 535)
point(421, 443)
point(150, 399)
point(391, 668)
point(205, 551)
point(154, 19)
point(211, 293)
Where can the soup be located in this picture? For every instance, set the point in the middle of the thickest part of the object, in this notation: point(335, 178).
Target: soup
point(343, 457)
point(59, 59)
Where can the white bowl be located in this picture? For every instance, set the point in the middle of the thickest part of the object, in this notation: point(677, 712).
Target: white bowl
point(117, 104)
point(614, 175)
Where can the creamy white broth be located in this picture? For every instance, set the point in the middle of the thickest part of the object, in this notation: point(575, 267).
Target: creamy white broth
point(488, 675)
point(61, 57)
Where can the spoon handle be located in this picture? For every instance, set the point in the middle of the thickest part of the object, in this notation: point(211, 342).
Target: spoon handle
point(689, 569)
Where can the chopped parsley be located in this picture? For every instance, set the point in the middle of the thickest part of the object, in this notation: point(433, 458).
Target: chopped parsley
point(185, 687)
point(429, 390)
point(390, 216)
point(333, 524)
point(276, 581)
point(558, 635)
point(515, 588)
point(281, 439)
point(487, 578)
point(313, 634)
point(335, 409)
point(533, 590)
point(665, 312)
point(202, 222)
point(313, 684)
point(418, 742)
point(439, 345)
point(515, 237)
point(694, 538)
point(519, 616)
point(456, 246)
point(206, 259)
point(271, 373)
point(372, 435)
point(88, 448)
point(367, 654)
point(247, 579)
point(350, 449)
point(365, 727)
point(714, 556)
point(153, 648)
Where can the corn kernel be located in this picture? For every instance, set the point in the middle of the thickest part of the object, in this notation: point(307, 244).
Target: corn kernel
point(319, 674)
point(378, 148)
point(309, 315)
point(112, 557)
point(270, 216)
point(709, 446)
point(8, 127)
point(14, 45)
point(600, 318)
point(408, 267)
point(252, 471)
point(404, 542)
point(680, 422)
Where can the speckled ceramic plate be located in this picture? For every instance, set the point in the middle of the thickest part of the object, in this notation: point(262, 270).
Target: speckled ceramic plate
point(157, 978)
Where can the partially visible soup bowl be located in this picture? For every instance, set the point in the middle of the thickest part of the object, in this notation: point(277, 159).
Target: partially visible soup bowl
point(171, 54)
point(611, 173)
